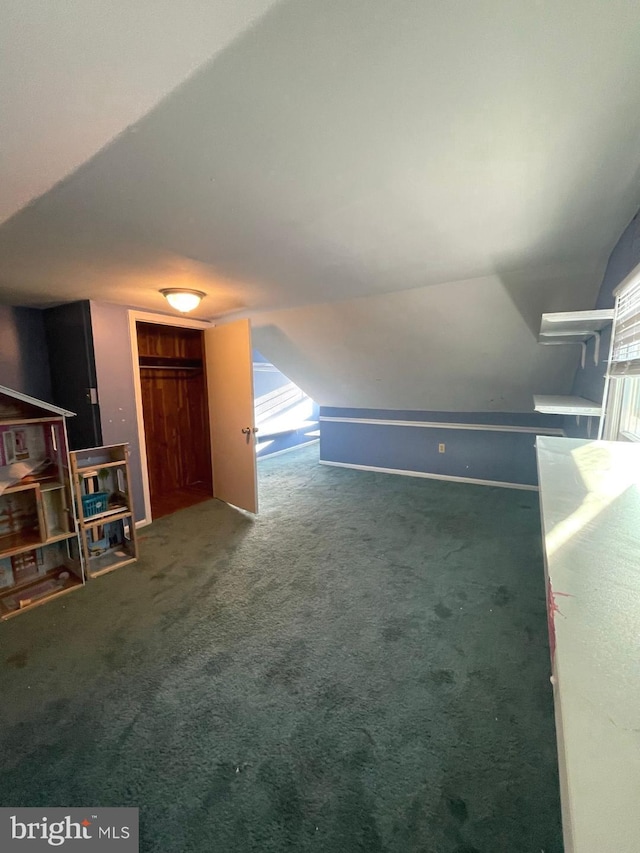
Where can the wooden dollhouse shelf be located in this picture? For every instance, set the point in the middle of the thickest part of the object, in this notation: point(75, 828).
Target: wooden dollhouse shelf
point(51, 574)
point(50, 487)
point(45, 486)
point(14, 543)
point(30, 594)
point(60, 537)
point(18, 487)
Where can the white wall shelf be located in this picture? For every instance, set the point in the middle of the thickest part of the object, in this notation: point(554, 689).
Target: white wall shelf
point(552, 405)
point(575, 327)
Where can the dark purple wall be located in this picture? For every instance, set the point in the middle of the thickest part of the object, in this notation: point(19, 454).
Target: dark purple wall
point(24, 363)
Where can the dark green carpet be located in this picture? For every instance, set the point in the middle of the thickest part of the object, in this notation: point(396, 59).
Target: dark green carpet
point(362, 668)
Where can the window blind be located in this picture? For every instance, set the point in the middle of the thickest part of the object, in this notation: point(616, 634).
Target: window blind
point(625, 352)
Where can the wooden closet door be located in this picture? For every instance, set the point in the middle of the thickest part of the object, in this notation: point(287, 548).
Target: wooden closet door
point(175, 410)
point(160, 402)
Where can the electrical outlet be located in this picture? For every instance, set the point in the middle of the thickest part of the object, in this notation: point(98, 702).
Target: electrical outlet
point(441, 448)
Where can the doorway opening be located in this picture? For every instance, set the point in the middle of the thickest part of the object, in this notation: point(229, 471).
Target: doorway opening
point(286, 417)
point(176, 416)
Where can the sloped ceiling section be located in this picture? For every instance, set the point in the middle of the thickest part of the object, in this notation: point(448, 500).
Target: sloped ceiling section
point(76, 73)
point(439, 173)
point(463, 346)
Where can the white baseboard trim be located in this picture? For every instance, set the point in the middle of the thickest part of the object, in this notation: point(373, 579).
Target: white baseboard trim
point(287, 450)
point(144, 522)
point(447, 477)
point(443, 425)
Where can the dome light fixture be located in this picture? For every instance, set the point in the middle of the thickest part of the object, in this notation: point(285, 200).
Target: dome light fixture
point(182, 299)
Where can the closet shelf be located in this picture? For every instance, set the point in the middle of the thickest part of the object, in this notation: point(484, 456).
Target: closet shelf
point(157, 362)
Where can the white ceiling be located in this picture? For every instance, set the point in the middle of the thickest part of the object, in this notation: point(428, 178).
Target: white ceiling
point(331, 151)
point(75, 73)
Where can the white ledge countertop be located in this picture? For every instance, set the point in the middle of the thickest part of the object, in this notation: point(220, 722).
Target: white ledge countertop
point(590, 509)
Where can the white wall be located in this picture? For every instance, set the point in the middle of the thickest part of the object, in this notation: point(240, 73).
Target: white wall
point(463, 346)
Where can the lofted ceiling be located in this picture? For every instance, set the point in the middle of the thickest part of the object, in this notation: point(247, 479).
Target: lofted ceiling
point(322, 152)
point(75, 73)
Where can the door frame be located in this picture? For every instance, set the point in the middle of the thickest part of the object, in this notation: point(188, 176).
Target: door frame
point(159, 319)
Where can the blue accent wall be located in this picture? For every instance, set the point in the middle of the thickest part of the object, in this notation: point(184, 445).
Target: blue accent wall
point(478, 454)
point(589, 381)
point(24, 360)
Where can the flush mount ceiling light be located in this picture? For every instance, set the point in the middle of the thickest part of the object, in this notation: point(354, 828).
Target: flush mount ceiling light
point(181, 299)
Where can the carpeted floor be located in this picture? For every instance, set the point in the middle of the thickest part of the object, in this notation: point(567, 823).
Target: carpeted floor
point(364, 667)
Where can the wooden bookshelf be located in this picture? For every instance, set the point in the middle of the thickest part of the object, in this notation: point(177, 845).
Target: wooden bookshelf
point(107, 517)
point(86, 468)
point(106, 522)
